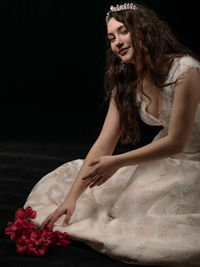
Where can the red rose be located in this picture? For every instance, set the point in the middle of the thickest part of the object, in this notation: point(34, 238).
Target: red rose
point(20, 213)
point(59, 239)
point(22, 244)
point(27, 213)
point(38, 242)
point(11, 230)
point(30, 213)
point(23, 224)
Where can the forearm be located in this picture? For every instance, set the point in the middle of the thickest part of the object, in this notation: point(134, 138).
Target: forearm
point(156, 150)
point(79, 186)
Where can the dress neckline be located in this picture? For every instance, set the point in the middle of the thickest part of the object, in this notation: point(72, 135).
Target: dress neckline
point(144, 106)
point(160, 108)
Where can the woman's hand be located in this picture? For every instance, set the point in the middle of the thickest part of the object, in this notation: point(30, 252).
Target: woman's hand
point(102, 168)
point(67, 207)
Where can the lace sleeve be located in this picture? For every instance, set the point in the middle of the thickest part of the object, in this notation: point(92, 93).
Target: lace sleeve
point(184, 65)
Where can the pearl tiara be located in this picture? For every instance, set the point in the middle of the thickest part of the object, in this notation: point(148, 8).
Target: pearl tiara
point(125, 6)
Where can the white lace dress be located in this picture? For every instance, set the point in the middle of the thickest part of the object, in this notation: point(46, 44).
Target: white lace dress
point(147, 214)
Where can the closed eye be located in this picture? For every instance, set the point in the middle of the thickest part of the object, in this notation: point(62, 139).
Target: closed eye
point(125, 31)
point(111, 39)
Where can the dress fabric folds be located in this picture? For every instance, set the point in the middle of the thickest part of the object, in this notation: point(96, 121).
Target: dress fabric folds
point(147, 214)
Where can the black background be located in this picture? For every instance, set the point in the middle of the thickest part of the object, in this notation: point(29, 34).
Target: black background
point(52, 65)
point(51, 94)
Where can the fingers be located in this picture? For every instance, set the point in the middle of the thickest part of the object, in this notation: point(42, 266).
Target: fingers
point(46, 221)
point(86, 177)
point(67, 218)
point(93, 162)
point(102, 182)
point(92, 180)
point(91, 175)
point(92, 172)
point(95, 178)
point(51, 219)
point(98, 181)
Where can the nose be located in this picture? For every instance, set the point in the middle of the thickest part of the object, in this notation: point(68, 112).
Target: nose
point(119, 42)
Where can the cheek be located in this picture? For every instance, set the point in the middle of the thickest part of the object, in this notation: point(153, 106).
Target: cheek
point(113, 48)
point(129, 39)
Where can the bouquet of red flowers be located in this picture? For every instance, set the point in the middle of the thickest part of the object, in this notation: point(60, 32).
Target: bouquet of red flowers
point(28, 238)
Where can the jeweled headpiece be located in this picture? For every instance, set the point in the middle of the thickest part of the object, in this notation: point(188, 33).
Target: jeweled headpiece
point(125, 6)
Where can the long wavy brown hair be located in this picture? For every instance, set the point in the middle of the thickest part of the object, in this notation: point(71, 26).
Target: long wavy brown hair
point(156, 45)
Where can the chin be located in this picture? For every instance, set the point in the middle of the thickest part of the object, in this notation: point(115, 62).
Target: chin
point(128, 60)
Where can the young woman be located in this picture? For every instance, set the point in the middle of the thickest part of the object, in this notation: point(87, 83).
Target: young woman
point(143, 206)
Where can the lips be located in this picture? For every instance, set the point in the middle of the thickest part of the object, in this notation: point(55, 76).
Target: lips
point(123, 51)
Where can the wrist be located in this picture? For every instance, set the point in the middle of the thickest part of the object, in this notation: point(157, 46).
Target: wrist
point(75, 192)
point(71, 196)
point(119, 161)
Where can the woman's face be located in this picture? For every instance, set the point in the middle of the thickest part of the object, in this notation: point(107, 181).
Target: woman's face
point(120, 40)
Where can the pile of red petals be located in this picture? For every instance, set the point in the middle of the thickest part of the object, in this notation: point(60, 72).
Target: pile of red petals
point(28, 238)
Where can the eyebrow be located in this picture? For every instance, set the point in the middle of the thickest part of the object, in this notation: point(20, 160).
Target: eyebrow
point(118, 29)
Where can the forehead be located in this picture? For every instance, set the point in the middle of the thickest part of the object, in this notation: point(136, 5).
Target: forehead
point(113, 25)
